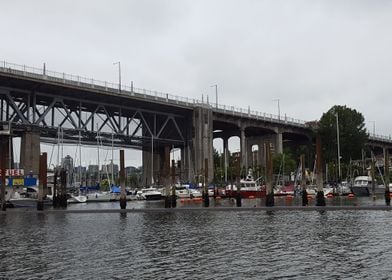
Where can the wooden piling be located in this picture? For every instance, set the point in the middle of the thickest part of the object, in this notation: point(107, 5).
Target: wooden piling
point(386, 175)
point(206, 198)
point(238, 198)
point(3, 147)
point(173, 194)
point(63, 188)
point(373, 174)
point(305, 200)
point(42, 180)
point(123, 195)
point(269, 201)
point(320, 199)
point(55, 189)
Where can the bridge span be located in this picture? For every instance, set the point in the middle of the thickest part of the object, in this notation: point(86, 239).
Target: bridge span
point(41, 105)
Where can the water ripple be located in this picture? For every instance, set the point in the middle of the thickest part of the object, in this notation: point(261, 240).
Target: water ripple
point(197, 245)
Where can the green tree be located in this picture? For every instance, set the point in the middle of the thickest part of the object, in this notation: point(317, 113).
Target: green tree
point(283, 163)
point(352, 134)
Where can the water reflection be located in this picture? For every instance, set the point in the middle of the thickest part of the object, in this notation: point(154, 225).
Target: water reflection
point(197, 244)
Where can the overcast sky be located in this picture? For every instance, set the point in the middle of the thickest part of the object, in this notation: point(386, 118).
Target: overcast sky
point(310, 54)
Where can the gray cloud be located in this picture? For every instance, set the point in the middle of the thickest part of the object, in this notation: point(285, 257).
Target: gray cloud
point(309, 54)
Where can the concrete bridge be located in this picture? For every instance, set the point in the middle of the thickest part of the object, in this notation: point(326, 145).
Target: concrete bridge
point(43, 106)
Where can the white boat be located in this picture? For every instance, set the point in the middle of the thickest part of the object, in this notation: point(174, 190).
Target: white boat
point(26, 197)
point(329, 190)
point(75, 198)
point(284, 190)
point(249, 188)
point(150, 193)
point(193, 193)
point(362, 186)
point(182, 192)
point(99, 197)
point(344, 188)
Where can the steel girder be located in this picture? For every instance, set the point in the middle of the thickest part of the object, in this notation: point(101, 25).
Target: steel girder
point(130, 126)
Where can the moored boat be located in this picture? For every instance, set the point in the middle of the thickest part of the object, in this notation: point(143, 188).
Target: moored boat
point(362, 186)
point(249, 188)
point(27, 198)
point(76, 198)
point(284, 190)
point(150, 193)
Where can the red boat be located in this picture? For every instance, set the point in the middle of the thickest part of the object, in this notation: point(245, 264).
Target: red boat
point(249, 188)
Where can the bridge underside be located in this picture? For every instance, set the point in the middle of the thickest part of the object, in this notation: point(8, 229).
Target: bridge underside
point(50, 113)
point(43, 108)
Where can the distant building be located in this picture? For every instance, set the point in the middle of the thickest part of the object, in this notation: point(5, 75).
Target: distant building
point(130, 170)
point(93, 169)
point(68, 165)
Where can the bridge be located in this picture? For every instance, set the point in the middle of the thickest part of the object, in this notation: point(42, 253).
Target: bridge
point(43, 106)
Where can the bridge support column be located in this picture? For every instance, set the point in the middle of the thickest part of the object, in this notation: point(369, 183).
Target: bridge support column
point(30, 151)
point(278, 143)
point(164, 166)
point(203, 142)
point(261, 154)
point(243, 148)
point(249, 156)
point(151, 163)
point(226, 156)
point(187, 173)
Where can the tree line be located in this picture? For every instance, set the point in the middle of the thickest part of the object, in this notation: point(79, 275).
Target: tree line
point(339, 124)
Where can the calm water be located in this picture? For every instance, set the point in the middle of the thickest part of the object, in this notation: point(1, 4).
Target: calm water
point(197, 244)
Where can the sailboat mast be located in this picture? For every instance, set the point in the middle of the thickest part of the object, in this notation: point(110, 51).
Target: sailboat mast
point(152, 159)
point(112, 158)
point(80, 159)
point(62, 146)
point(99, 172)
point(58, 147)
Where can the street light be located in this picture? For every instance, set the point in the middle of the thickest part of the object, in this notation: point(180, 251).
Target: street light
point(119, 74)
point(278, 107)
point(338, 142)
point(374, 128)
point(216, 94)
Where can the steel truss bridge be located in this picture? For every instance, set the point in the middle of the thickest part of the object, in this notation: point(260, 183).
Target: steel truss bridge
point(84, 110)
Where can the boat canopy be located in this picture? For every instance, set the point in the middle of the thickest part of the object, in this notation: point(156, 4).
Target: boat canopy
point(115, 189)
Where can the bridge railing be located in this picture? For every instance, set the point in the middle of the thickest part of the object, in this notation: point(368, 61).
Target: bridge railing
point(236, 111)
point(44, 74)
point(382, 138)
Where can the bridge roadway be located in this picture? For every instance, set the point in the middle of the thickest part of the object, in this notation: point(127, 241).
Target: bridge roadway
point(45, 105)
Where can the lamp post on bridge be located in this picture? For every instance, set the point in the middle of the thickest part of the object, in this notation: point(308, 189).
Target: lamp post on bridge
point(374, 128)
point(216, 94)
point(119, 74)
point(278, 107)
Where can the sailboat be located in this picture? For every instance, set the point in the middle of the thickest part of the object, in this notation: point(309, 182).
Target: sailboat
point(75, 196)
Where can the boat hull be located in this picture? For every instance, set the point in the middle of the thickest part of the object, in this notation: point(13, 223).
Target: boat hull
point(151, 197)
point(27, 202)
point(367, 190)
point(246, 193)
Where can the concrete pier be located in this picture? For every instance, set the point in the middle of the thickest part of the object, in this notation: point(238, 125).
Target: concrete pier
point(30, 151)
point(202, 140)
